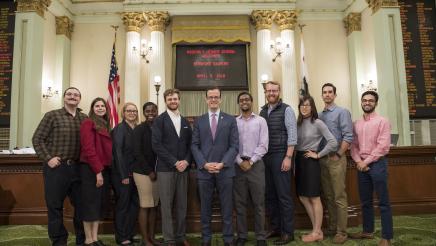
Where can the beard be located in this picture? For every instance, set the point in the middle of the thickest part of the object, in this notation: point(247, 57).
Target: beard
point(369, 110)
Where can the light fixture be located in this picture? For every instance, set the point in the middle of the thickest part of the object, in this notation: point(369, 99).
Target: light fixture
point(157, 80)
point(264, 79)
point(145, 50)
point(49, 92)
point(278, 48)
point(369, 86)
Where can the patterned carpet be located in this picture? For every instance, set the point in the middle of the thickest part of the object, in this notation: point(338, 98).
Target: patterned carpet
point(418, 230)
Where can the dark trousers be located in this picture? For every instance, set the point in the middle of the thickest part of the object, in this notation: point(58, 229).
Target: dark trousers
point(126, 208)
point(173, 192)
point(376, 179)
point(279, 204)
point(250, 184)
point(225, 188)
point(60, 182)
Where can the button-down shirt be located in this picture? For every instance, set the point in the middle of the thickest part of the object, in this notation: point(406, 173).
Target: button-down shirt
point(58, 134)
point(372, 138)
point(217, 115)
point(253, 137)
point(176, 119)
point(339, 122)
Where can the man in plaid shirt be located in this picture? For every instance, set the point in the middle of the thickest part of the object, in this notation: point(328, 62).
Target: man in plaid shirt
point(57, 143)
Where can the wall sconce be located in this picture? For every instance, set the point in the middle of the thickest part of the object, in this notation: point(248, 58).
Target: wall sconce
point(370, 86)
point(264, 79)
point(157, 80)
point(145, 50)
point(49, 92)
point(278, 48)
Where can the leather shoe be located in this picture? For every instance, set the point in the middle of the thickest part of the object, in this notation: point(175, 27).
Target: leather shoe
point(284, 239)
point(261, 243)
point(384, 242)
point(184, 243)
point(241, 241)
point(361, 235)
point(271, 234)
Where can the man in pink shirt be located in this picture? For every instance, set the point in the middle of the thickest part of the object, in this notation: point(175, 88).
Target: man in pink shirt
point(372, 138)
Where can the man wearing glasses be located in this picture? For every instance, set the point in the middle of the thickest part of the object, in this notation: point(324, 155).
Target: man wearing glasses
point(282, 131)
point(215, 144)
point(57, 143)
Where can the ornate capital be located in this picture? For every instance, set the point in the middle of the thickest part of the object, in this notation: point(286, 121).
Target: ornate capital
point(375, 5)
point(134, 21)
point(157, 20)
point(262, 19)
point(64, 26)
point(38, 6)
point(353, 22)
point(286, 19)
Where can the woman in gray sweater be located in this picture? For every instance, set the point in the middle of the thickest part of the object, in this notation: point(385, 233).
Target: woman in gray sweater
point(311, 131)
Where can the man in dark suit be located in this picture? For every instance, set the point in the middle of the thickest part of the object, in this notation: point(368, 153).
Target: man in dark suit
point(171, 141)
point(215, 144)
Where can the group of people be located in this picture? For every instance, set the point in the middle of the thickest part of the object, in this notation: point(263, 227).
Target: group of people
point(246, 159)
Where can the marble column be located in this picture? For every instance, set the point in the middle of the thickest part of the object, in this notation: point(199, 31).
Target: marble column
point(134, 21)
point(391, 74)
point(64, 30)
point(287, 21)
point(27, 71)
point(352, 24)
point(263, 19)
point(157, 22)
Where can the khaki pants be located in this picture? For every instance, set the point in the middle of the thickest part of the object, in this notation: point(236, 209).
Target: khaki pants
point(333, 192)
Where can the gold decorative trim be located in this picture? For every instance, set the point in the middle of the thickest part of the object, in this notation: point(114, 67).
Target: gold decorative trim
point(38, 6)
point(64, 26)
point(286, 19)
point(353, 22)
point(134, 21)
point(157, 20)
point(262, 19)
point(375, 5)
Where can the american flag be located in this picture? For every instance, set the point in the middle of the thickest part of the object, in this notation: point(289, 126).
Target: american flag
point(114, 90)
point(304, 88)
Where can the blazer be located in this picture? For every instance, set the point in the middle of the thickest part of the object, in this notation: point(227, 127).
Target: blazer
point(96, 146)
point(167, 145)
point(224, 148)
point(144, 161)
point(122, 150)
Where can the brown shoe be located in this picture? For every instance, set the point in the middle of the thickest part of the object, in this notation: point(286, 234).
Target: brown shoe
point(340, 238)
point(384, 242)
point(361, 235)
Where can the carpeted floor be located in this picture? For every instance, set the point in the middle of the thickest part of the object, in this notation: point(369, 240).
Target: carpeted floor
point(416, 230)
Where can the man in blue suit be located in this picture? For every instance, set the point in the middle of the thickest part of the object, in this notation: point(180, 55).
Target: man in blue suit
point(215, 144)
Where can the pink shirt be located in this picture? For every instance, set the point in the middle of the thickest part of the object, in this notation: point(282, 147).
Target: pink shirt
point(372, 138)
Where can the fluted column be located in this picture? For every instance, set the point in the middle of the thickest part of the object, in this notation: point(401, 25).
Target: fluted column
point(352, 24)
point(134, 21)
point(157, 21)
point(27, 71)
point(287, 20)
point(64, 30)
point(262, 19)
point(391, 73)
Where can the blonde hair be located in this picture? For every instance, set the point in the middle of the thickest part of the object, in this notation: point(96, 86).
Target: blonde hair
point(124, 110)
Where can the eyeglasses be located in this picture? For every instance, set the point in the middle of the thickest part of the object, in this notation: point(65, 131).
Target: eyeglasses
point(72, 94)
point(132, 111)
point(368, 101)
point(272, 91)
point(213, 98)
point(245, 100)
point(305, 106)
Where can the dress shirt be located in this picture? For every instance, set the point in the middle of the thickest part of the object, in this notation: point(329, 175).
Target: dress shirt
point(217, 115)
point(176, 119)
point(253, 137)
point(290, 124)
point(339, 122)
point(372, 138)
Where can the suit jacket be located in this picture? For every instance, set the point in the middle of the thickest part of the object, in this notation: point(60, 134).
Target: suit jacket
point(122, 150)
point(167, 145)
point(96, 146)
point(223, 149)
point(144, 157)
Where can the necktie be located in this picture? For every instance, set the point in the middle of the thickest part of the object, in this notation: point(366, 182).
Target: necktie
point(213, 125)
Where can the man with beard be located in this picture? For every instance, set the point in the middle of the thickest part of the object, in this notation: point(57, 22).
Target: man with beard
point(171, 141)
point(250, 171)
point(57, 142)
point(282, 128)
point(334, 165)
point(371, 143)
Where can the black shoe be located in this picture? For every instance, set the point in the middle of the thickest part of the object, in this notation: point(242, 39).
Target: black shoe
point(271, 234)
point(91, 244)
point(229, 244)
point(261, 243)
point(284, 239)
point(99, 243)
point(241, 241)
point(206, 244)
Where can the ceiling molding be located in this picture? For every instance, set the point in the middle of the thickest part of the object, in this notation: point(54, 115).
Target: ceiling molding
point(321, 15)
